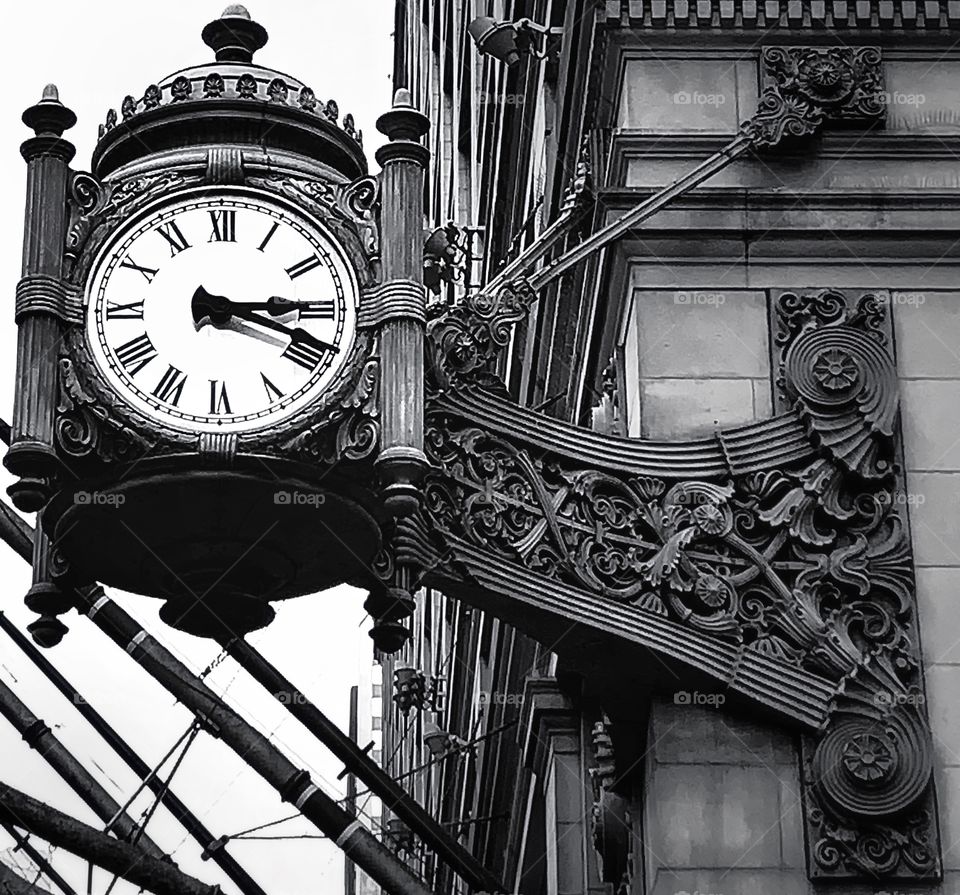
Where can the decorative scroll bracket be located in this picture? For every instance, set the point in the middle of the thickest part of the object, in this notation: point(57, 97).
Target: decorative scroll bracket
point(771, 559)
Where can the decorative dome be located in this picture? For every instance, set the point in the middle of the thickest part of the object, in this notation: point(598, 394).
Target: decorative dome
point(230, 100)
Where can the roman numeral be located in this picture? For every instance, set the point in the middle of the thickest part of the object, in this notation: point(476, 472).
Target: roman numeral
point(148, 272)
point(273, 393)
point(219, 402)
point(136, 354)
point(170, 387)
point(305, 354)
point(171, 233)
point(319, 310)
point(269, 236)
point(224, 223)
point(131, 311)
point(302, 267)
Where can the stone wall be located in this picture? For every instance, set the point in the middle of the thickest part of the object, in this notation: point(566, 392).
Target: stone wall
point(695, 359)
point(927, 328)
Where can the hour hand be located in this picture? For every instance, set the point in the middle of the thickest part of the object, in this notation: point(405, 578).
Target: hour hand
point(217, 309)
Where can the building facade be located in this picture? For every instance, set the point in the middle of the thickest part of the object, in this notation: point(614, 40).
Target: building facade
point(568, 770)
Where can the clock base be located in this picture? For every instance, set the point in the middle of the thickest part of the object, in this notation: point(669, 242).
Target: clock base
point(218, 614)
point(216, 545)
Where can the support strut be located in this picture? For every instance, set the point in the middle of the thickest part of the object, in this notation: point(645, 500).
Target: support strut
point(40, 738)
point(359, 763)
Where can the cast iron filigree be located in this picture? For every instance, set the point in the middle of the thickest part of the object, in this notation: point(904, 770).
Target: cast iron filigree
point(772, 557)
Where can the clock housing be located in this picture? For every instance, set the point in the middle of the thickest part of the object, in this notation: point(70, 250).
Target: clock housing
point(217, 414)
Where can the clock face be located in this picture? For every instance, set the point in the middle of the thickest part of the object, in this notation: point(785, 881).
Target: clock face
point(221, 312)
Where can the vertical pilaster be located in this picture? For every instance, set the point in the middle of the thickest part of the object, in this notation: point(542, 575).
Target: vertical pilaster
point(402, 462)
point(39, 301)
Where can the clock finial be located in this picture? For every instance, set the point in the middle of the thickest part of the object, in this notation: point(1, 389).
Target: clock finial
point(49, 116)
point(234, 37)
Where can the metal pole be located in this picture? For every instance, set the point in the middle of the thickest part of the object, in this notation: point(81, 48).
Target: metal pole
point(349, 868)
point(394, 796)
point(39, 737)
point(118, 857)
point(26, 846)
point(190, 822)
point(641, 212)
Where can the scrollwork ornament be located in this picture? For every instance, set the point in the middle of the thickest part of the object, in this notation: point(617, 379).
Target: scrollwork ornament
point(467, 337)
point(805, 87)
point(97, 207)
point(802, 561)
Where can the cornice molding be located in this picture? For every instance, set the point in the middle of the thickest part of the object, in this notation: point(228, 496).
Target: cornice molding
point(823, 16)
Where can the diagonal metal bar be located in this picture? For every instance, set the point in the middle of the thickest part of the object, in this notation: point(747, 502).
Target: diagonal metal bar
point(642, 212)
point(63, 831)
point(360, 764)
point(190, 822)
point(26, 846)
point(40, 738)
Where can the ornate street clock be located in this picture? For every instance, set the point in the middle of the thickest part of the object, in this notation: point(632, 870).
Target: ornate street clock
point(199, 411)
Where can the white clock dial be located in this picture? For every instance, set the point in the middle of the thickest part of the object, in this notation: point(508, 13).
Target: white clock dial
point(221, 312)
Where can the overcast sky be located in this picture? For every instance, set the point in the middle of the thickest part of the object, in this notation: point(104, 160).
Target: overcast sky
point(97, 52)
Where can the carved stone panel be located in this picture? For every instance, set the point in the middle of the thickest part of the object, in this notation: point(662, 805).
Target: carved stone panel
point(845, 344)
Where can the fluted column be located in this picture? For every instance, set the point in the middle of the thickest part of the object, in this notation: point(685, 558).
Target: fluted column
point(402, 462)
point(39, 302)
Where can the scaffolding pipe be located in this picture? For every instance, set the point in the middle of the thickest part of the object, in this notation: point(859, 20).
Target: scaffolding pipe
point(121, 858)
point(358, 762)
point(39, 737)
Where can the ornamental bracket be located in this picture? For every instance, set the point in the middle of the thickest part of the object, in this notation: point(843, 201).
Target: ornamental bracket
point(770, 559)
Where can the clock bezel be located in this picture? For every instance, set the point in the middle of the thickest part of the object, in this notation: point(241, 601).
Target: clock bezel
point(318, 203)
point(128, 390)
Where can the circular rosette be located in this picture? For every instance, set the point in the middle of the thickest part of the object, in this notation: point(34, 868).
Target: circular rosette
point(706, 504)
point(871, 768)
point(825, 76)
point(834, 366)
point(712, 606)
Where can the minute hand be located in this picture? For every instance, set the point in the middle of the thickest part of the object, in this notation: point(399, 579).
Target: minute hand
point(297, 334)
